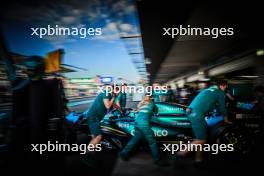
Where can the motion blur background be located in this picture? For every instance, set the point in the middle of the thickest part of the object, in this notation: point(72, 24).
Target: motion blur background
point(132, 49)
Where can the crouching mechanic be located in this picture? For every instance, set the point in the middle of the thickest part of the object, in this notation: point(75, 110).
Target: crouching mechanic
point(207, 100)
point(102, 103)
point(143, 130)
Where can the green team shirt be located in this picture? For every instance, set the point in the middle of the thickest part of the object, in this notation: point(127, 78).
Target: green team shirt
point(144, 114)
point(98, 109)
point(209, 99)
point(169, 92)
point(156, 95)
point(121, 98)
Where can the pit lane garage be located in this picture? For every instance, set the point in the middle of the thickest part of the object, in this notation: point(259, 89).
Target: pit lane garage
point(188, 63)
point(191, 62)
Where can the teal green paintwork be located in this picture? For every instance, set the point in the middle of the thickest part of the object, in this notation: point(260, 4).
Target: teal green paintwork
point(165, 108)
point(164, 124)
point(179, 121)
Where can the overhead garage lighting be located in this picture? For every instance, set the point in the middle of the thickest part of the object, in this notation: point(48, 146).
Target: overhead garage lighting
point(235, 65)
point(205, 79)
point(248, 76)
point(260, 52)
point(180, 83)
point(200, 73)
point(195, 77)
point(147, 60)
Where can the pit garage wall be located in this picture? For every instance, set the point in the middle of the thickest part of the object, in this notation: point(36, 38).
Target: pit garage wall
point(244, 88)
point(259, 65)
point(242, 92)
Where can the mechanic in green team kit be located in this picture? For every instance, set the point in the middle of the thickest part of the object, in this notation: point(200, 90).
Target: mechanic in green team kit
point(121, 98)
point(143, 130)
point(102, 103)
point(207, 100)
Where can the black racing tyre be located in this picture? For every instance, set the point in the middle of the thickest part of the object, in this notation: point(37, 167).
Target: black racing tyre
point(231, 134)
point(111, 143)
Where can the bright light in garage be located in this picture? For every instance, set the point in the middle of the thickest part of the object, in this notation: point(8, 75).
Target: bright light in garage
point(147, 61)
point(200, 73)
point(180, 83)
point(205, 79)
point(260, 52)
point(248, 76)
point(195, 77)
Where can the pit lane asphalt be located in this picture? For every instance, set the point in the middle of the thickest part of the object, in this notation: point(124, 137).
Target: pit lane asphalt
point(140, 164)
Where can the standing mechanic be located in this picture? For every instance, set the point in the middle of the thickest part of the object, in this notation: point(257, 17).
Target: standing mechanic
point(204, 102)
point(143, 130)
point(121, 98)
